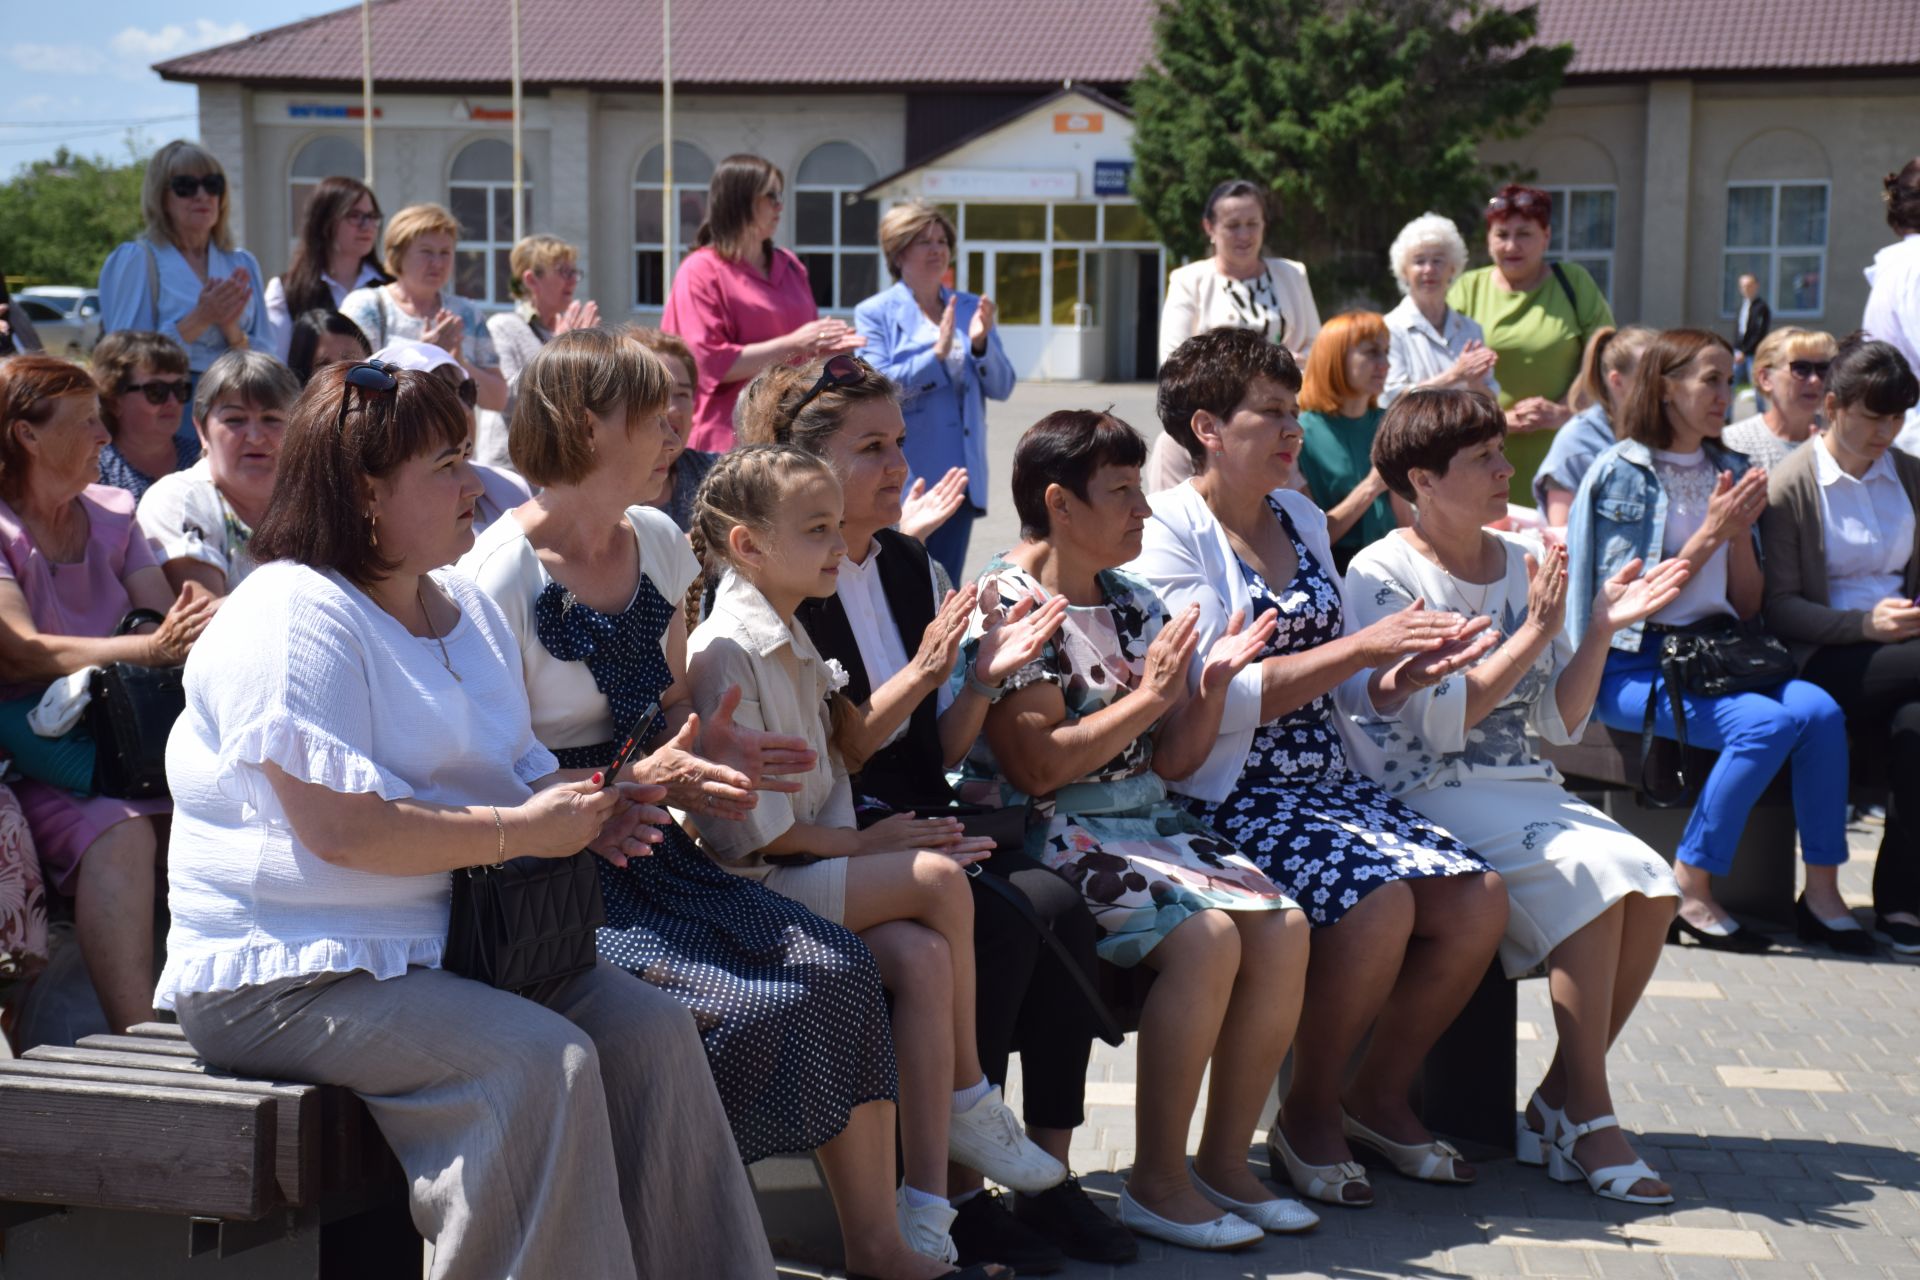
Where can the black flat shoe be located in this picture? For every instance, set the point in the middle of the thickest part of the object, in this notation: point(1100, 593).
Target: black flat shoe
point(1067, 1215)
point(985, 1230)
point(1742, 941)
point(1904, 938)
point(1850, 942)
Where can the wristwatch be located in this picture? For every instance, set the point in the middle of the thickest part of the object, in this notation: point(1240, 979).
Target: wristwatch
point(981, 687)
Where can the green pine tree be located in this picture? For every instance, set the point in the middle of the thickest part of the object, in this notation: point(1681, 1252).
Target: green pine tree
point(1357, 114)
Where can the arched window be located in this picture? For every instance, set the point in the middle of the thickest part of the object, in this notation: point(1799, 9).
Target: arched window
point(328, 156)
point(692, 171)
point(838, 240)
point(480, 194)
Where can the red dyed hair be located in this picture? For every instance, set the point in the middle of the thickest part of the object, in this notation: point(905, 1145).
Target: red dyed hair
point(1323, 383)
point(30, 386)
point(1517, 200)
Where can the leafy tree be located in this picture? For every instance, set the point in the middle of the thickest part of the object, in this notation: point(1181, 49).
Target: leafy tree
point(59, 218)
point(1357, 114)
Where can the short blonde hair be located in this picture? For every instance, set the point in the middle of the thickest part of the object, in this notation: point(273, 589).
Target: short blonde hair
point(582, 371)
point(410, 224)
point(174, 160)
point(1428, 228)
point(903, 223)
point(1783, 346)
point(538, 254)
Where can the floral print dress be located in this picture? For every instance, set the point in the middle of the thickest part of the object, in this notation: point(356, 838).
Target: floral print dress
point(1142, 862)
point(1324, 833)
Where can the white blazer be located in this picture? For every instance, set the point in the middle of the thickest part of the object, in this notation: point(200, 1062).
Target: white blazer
point(1187, 558)
point(1197, 301)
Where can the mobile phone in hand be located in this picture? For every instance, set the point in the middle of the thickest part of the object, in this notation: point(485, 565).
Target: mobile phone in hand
point(630, 745)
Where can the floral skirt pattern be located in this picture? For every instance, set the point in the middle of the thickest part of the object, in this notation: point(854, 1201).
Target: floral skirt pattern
point(1324, 833)
point(1142, 871)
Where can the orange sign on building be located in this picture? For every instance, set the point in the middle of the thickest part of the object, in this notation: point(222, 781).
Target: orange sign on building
point(1079, 122)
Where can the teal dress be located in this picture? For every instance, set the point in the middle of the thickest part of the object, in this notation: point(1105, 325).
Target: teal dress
point(1140, 860)
point(1336, 457)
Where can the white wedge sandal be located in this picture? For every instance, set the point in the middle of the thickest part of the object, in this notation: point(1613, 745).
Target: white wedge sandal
point(1615, 1181)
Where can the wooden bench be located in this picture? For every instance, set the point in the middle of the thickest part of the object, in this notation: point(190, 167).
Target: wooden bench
point(126, 1156)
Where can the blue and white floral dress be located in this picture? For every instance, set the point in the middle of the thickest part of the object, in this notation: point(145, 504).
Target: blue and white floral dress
point(1324, 833)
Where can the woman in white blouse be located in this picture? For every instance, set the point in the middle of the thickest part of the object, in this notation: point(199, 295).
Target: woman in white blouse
point(1587, 898)
point(1429, 344)
point(201, 520)
point(1842, 577)
point(355, 732)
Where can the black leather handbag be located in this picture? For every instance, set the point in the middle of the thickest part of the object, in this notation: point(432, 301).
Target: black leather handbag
point(129, 717)
point(526, 921)
point(1710, 659)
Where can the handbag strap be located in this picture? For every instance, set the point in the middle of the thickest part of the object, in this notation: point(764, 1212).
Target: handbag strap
point(1669, 672)
point(139, 618)
point(1107, 1028)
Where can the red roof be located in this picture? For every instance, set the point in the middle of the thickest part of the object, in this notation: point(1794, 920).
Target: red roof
point(881, 43)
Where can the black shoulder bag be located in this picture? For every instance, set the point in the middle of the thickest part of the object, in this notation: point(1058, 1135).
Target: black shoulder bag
point(1710, 658)
point(131, 713)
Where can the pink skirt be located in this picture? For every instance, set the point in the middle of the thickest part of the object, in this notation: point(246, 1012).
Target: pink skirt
point(65, 825)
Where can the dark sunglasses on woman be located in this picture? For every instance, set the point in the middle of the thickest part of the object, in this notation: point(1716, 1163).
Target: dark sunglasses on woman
point(841, 371)
point(1807, 370)
point(371, 378)
point(185, 185)
point(159, 390)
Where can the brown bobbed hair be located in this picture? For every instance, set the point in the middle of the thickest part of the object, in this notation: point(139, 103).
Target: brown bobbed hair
point(120, 355)
point(1642, 413)
point(1901, 191)
point(728, 226)
point(1065, 448)
point(331, 202)
point(318, 513)
point(1426, 428)
point(1323, 383)
point(764, 414)
point(31, 388)
point(1214, 371)
point(580, 372)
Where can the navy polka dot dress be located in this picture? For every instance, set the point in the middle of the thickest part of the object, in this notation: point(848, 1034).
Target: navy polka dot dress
point(789, 1005)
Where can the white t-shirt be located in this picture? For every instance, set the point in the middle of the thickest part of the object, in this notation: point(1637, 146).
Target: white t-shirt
point(882, 650)
point(1868, 526)
point(567, 706)
point(185, 518)
point(1688, 479)
point(301, 668)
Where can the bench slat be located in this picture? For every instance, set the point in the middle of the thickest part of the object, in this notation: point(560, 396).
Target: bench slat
point(166, 1150)
point(157, 1030)
point(141, 1044)
point(297, 1144)
point(116, 1058)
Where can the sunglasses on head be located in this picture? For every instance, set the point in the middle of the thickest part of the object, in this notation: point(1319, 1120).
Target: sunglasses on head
point(159, 390)
point(1519, 202)
point(1807, 370)
point(371, 378)
point(185, 185)
point(841, 371)
point(468, 393)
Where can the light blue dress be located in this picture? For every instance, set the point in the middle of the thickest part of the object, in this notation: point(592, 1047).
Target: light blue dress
point(128, 301)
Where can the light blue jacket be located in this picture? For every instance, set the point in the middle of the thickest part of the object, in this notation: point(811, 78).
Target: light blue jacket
point(946, 417)
point(1621, 513)
point(1584, 437)
point(127, 301)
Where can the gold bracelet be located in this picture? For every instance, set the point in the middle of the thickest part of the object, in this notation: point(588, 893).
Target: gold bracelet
point(500, 830)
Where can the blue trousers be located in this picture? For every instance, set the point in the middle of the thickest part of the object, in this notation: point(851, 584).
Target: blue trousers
point(948, 543)
point(1755, 733)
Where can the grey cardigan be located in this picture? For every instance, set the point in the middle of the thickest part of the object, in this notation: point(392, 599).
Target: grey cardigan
point(1796, 607)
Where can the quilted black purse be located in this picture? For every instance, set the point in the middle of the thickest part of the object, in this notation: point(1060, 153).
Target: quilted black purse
point(129, 717)
point(526, 921)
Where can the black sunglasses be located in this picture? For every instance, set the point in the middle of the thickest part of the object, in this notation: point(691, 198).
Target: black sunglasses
point(185, 184)
point(1807, 370)
point(159, 391)
point(372, 378)
point(841, 371)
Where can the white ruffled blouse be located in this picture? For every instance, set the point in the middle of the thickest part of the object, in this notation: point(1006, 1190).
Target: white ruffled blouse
point(301, 668)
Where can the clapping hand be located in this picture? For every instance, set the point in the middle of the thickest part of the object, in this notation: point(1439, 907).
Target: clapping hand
point(446, 331)
point(1014, 637)
point(1164, 678)
point(983, 321)
point(767, 759)
point(1414, 629)
point(578, 315)
point(1476, 361)
point(1547, 591)
point(1474, 640)
point(940, 642)
point(1736, 504)
point(923, 510)
point(694, 784)
point(943, 342)
point(1630, 596)
point(827, 337)
point(1235, 648)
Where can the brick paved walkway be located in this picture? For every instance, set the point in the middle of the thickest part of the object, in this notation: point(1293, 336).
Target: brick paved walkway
point(1778, 1094)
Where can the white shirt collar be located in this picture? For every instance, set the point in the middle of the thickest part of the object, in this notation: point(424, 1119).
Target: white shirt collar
point(1828, 472)
point(755, 621)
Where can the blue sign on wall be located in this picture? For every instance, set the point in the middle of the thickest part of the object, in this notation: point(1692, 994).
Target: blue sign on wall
point(1110, 177)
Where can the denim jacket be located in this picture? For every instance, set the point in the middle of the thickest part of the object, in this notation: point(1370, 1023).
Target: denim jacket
point(1621, 513)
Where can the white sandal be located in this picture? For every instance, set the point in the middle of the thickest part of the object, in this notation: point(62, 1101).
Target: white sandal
point(1615, 1182)
point(1323, 1182)
point(1530, 1146)
point(1434, 1161)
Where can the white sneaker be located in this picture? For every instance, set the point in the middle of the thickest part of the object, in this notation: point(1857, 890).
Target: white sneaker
point(926, 1227)
point(987, 1137)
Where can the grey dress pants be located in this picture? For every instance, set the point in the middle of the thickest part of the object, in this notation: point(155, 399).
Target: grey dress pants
point(576, 1134)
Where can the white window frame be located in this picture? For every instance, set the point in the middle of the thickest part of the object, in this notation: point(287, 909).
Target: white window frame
point(1774, 251)
point(839, 249)
point(683, 235)
point(500, 237)
point(1563, 217)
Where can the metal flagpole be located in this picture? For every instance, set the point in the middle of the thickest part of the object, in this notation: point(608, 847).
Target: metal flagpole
point(667, 202)
point(366, 85)
point(519, 201)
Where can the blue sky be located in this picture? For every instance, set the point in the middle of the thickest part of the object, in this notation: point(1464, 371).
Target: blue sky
point(78, 73)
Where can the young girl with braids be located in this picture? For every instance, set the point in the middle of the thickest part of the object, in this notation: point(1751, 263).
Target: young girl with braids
point(771, 516)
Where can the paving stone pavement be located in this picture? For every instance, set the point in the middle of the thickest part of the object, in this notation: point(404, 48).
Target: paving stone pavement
point(1779, 1094)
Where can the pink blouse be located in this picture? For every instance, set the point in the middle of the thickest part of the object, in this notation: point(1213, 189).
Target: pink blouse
point(84, 599)
point(721, 307)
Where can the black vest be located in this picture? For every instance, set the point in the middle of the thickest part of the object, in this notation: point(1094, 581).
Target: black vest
point(909, 773)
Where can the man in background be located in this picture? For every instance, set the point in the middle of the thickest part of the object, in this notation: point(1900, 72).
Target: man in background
point(1749, 328)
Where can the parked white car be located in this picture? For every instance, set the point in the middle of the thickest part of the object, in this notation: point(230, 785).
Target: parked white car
point(66, 316)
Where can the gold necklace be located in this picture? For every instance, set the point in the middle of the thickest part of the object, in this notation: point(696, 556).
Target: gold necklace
point(419, 593)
